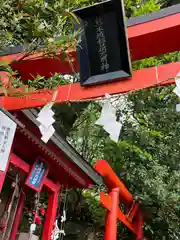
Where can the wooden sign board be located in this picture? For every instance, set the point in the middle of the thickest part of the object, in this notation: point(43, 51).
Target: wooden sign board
point(103, 53)
point(37, 175)
point(7, 132)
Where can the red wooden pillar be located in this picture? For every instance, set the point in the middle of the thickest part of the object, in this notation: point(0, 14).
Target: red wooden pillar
point(111, 218)
point(51, 214)
point(139, 226)
point(18, 216)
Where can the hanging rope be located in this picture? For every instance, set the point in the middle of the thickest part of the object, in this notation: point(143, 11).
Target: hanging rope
point(63, 217)
point(59, 233)
point(60, 201)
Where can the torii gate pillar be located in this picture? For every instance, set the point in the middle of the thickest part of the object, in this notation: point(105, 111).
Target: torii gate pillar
point(133, 218)
point(111, 218)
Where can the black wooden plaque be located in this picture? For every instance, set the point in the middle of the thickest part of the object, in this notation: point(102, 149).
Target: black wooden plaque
point(103, 52)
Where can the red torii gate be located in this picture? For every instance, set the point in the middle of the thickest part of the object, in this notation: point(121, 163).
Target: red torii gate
point(151, 35)
point(118, 194)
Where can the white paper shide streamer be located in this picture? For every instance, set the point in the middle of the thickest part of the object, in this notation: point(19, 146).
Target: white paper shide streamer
point(32, 228)
point(63, 217)
point(177, 90)
point(56, 231)
point(46, 120)
point(108, 120)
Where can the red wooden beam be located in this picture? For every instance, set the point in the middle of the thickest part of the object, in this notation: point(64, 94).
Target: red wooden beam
point(145, 78)
point(51, 186)
point(24, 167)
point(118, 193)
point(37, 64)
point(51, 214)
point(155, 37)
point(152, 35)
point(19, 163)
point(112, 181)
point(107, 203)
point(18, 215)
point(53, 191)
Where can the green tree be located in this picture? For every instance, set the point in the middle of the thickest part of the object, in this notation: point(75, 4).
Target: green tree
point(147, 156)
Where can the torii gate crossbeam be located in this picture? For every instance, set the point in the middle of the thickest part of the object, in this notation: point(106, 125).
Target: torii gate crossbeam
point(151, 35)
point(74, 92)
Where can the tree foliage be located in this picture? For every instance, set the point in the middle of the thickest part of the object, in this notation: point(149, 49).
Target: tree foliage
point(36, 21)
point(146, 157)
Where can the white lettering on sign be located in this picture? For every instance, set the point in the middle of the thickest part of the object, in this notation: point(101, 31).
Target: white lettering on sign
point(7, 131)
point(101, 40)
point(39, 172)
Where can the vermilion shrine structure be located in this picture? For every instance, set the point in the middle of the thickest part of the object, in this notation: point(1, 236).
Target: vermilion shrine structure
point(64, 163)
point(151, 35)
